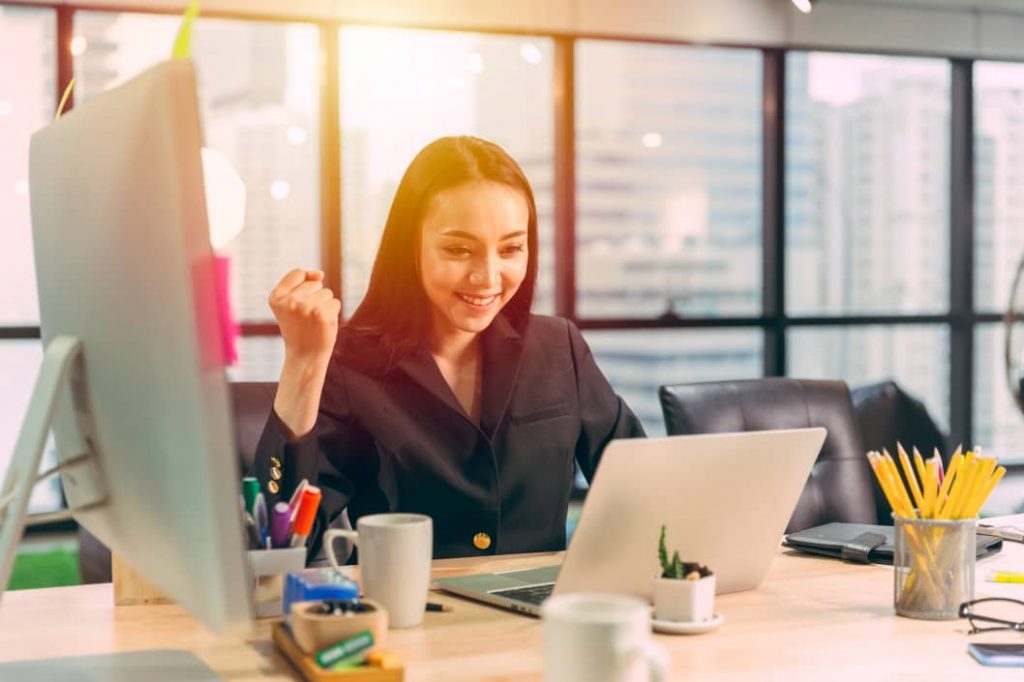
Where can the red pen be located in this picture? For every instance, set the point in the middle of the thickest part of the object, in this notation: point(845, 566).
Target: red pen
point(307, 514)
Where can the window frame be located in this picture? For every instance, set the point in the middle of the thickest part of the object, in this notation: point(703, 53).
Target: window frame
point(962, 319)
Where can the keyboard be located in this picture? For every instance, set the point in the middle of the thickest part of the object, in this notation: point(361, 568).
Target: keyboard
point(531, 594)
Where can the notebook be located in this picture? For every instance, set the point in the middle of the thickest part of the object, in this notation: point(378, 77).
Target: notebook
point(863, 543)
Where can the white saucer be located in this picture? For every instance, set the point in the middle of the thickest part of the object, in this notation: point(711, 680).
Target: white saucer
point(675, 627)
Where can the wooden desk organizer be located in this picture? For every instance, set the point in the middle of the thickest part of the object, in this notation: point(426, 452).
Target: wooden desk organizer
point(307, 667)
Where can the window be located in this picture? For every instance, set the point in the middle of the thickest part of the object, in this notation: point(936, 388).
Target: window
point(998, 423)
point(28, 84)
point(401, 89)
point(867, 178)
point(637, 363)
point(259, 99)
point(668, 180)
point(915, 356)
point(19, 368)
point(260, 358)
point(998, 167)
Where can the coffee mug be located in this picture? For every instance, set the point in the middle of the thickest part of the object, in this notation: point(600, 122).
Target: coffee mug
point(394, 562)
point(600, 638)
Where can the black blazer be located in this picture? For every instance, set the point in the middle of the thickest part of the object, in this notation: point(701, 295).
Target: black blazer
point(395, 439)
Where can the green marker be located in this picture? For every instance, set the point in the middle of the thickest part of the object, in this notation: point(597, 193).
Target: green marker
point(346, 653)
point(250, 489)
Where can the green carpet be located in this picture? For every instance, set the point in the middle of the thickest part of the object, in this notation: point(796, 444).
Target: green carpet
point(54, 568)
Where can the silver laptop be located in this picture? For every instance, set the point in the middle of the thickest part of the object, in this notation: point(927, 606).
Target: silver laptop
point(724, 498)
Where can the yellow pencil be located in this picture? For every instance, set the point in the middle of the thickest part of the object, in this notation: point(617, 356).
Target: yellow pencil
point(996, 477)
point(915, 489)
point(962, 487)
point(931, 487)
point(906, 507)
point(954, 467)
point(980, 490)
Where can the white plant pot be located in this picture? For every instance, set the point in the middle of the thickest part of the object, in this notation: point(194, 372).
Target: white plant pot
point(686, 601)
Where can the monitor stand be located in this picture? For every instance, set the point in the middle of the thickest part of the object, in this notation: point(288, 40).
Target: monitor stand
point(154, 665)
point(61, 384)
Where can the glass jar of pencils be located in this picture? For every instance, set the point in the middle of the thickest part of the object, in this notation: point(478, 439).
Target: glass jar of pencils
point(934, 566)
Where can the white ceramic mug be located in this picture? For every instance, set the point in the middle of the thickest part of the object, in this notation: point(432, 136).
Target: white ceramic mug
point(600, 638)
point(394, 562)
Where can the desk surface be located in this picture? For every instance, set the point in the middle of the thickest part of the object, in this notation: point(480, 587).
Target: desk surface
point(811, 616)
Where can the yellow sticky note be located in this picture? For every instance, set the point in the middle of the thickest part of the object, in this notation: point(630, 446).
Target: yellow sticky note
point(183, 42)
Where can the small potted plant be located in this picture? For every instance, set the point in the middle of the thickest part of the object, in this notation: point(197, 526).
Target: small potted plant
point(685, 590)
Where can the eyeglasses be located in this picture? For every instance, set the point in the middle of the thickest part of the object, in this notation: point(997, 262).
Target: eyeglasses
point(981, 610)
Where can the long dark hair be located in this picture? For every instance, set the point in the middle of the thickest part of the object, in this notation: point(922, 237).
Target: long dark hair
point(396, 307)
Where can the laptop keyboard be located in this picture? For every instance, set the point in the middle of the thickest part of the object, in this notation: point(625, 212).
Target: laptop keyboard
point(531, 594)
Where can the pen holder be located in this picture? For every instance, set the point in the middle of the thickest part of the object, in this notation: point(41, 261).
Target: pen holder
point(267, 568)
point(934, 567)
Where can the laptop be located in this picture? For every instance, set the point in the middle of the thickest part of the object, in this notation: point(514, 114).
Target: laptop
point(724, 498)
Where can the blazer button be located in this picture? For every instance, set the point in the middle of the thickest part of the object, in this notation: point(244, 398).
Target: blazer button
point(274, 461)
point(275, 473)
point(273, 487)
point(481, 541)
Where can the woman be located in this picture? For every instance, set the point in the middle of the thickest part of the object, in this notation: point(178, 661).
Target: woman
point(442, 395)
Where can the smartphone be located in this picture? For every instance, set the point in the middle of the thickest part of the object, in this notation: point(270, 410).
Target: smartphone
point(1006, 655)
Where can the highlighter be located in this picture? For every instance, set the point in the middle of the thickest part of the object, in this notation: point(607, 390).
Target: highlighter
point(306, 515)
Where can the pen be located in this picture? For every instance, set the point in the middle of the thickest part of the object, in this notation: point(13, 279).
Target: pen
point(252, 532)
point(280, 525)
point(250, 489)
point(1005, 577)
point(293, 504)
point(260, 515)
point(307, 514)
point(433, 607)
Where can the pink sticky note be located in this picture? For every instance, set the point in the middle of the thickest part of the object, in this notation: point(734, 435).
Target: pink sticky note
point(229, 330)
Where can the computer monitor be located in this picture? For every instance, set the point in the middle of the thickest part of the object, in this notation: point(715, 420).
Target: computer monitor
point(124, 265)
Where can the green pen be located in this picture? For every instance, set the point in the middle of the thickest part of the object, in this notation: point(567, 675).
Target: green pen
point(250, 489)
point(346, 653)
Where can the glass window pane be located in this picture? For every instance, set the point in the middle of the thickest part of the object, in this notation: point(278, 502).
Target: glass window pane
point(867, 184)
point(668, 180)
point(19, 368)
point(259, 359)
point(28, 81)
point(999, 175)
point(401, 89)
point(914, 356)
point(637, 363)
point(259, 95)
point(998, 424)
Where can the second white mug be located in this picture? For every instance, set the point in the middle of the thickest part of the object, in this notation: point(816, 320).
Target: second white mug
point(600, 638)
point(395, 551)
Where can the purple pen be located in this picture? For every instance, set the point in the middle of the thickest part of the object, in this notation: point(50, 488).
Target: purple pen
point(280, 525)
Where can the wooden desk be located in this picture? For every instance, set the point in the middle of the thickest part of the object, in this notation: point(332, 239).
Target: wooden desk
point(813, 618)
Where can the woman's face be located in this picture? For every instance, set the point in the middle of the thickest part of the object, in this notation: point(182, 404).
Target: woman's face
point(473, 253)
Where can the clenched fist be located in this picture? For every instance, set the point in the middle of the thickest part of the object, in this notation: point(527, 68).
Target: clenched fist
point(307, 313)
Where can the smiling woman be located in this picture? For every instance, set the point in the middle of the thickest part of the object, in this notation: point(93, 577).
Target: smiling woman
point(443, 395)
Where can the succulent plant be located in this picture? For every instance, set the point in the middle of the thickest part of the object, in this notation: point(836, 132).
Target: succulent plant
point(677, 569)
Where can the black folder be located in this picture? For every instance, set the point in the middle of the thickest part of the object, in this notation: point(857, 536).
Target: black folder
point(862, 543)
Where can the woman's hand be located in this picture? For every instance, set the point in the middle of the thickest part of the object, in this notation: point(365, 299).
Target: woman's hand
point(307, 313)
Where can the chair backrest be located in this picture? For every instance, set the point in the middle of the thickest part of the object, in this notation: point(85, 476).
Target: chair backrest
point(839, 487)
point(252, 402)
point(887, 416)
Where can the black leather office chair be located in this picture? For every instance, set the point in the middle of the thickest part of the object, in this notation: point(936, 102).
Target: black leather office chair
point(252, 402)
point(839, 488)
point(888, 415)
